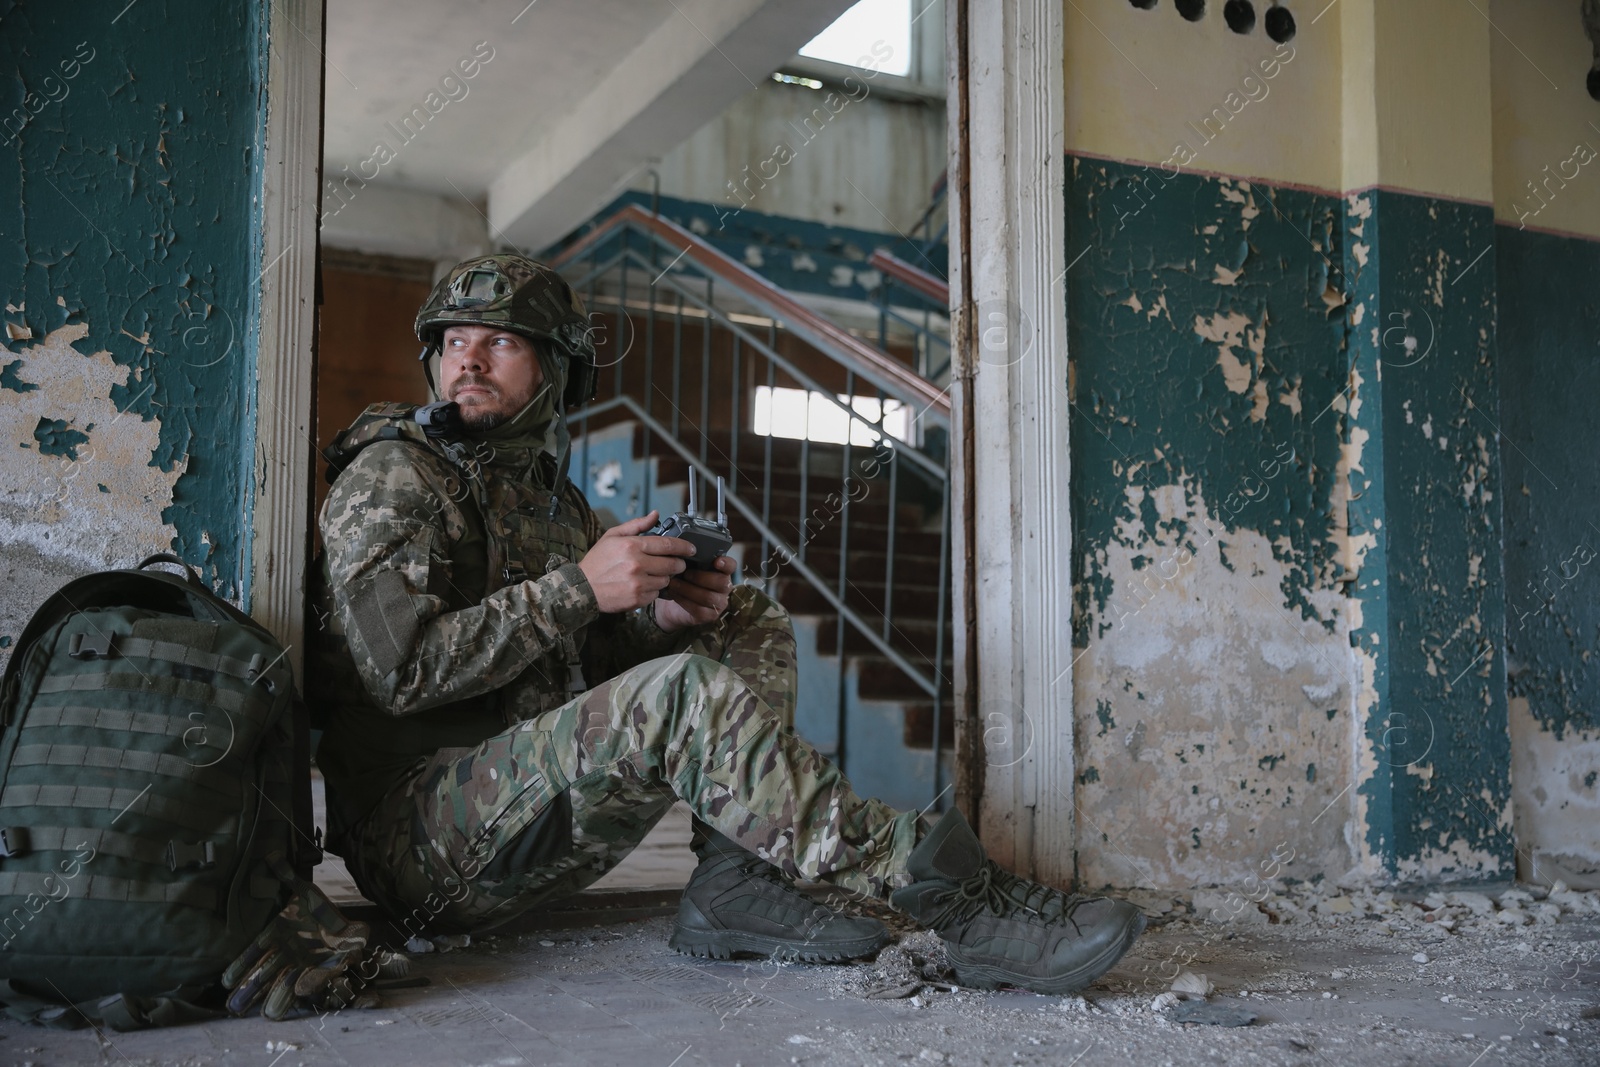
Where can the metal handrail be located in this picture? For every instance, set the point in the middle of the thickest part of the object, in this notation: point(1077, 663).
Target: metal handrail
point(864, 360)
point(707, 318)
point(715, 314)
point(794, 556)
point(929, 287)
point(914, 278)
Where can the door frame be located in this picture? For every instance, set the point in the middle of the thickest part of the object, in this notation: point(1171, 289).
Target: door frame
point(284, 409)
point(1010, 463)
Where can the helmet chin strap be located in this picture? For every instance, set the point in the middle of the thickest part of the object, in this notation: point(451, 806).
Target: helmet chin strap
point(563, 453)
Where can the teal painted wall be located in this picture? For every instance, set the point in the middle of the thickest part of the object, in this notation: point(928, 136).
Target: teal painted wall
point(130, 155)
point(796, 254)
point(1286, 523)
point(1550, 343)
point(1207, 335)
point(1550, 350)
point(1439, 795)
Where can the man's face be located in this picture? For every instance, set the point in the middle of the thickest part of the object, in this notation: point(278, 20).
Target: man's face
point(492, 373)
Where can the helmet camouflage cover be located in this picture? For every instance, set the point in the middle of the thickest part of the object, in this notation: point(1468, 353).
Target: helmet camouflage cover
point(520, 294)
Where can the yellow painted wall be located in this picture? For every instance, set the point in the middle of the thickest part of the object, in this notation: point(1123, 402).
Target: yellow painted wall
point(1542, 114)
point(1369, 92)
point(1140, 83)
point(1433, 114)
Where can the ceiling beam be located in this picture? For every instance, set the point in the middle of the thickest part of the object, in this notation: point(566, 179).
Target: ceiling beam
point(702, 58)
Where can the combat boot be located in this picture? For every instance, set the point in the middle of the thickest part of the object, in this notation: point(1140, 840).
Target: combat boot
point(736, 902)
point(999, 929)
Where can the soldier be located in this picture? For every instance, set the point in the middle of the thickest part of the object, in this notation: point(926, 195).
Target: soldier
point(520, 694)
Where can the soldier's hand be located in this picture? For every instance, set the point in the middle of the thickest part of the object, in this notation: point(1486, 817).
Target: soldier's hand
point(627, 571)
point(694, 598)
point(303, 959)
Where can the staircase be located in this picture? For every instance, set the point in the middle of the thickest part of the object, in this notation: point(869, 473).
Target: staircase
point(851, 539)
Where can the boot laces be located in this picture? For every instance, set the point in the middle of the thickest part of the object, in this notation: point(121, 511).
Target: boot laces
point(1004, 895)
point(753, 866)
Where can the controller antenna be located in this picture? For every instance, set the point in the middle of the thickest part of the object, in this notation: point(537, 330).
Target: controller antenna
point(722, 512)
point(694, 478)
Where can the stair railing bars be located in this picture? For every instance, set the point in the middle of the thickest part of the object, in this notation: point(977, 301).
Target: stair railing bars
point(931, 295)
point(684, 292)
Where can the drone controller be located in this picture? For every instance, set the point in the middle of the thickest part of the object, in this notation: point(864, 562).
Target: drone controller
point(709, 538)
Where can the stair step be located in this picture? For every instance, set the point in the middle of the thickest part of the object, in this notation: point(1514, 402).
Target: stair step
point(882, 680)
point(913, 638)
point(919, 726)
point(825, 506)
point(868, 563)
point(801, 598)
point(862, 537)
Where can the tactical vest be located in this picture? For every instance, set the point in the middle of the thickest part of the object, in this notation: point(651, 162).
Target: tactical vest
point(524, 515)
point(504, 495)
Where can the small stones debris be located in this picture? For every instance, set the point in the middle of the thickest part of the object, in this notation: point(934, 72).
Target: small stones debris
point(1189, 984)
point(1198, 1011)
point(446, 942)
point(1420, 957)
point(1164, 1002)
point(893, 991)
point(417, 945)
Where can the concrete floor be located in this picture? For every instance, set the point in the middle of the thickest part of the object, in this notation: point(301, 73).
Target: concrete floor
point(1333, 978)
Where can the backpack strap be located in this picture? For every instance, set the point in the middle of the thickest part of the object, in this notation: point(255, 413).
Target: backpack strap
point(121, 1012)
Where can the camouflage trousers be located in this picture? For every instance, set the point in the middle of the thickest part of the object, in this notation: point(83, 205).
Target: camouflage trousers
point(477, 836)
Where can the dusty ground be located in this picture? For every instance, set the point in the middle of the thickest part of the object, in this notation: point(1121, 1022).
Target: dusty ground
point(1339, 979)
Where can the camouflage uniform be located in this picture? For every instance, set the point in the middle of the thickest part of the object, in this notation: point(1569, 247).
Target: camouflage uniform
point(447, 816)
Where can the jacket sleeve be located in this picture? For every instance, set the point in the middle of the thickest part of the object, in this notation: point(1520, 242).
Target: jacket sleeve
point(387, 526)
point(626, 639)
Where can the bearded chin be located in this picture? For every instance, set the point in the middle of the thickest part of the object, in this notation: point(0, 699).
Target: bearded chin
point(482, 417)
point(481, 420)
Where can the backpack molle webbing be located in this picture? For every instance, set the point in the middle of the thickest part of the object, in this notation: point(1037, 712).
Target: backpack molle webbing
point(153, 781)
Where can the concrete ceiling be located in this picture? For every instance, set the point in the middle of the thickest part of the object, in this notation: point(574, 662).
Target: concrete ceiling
point(577, 97)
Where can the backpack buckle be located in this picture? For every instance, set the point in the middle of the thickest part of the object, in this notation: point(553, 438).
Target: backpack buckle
point(14, 841)
point(252, 673)
point(89, 646)
point(182, 855)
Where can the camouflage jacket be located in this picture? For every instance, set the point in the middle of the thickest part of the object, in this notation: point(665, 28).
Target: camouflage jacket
point(450, 606)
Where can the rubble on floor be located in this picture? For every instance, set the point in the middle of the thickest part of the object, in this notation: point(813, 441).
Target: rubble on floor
point(1326, 975)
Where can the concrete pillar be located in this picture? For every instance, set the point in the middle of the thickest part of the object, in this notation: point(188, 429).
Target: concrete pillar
point(1422, 455)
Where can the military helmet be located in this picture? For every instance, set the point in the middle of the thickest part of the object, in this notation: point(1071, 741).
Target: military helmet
point(520, 294)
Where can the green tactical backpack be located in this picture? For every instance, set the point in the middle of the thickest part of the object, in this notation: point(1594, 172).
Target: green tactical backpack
point(154, 792)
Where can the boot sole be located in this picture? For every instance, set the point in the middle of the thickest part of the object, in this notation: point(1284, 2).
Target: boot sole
point(981, 977)
point(725, 944)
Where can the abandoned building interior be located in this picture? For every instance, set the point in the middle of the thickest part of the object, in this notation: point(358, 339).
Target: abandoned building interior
point(1163, 421)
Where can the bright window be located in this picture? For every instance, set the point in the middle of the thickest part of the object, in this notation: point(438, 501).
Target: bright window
point(803, 415)
point(854, 33)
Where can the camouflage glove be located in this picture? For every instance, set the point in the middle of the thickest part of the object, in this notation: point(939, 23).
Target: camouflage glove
point(301, 959)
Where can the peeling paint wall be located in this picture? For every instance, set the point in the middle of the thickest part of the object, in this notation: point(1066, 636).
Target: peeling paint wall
point(1549, 326)
point(1215, 688)
point(129, 179)
point(1434, 774)
point(1547, 260)
point(1287, 493)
